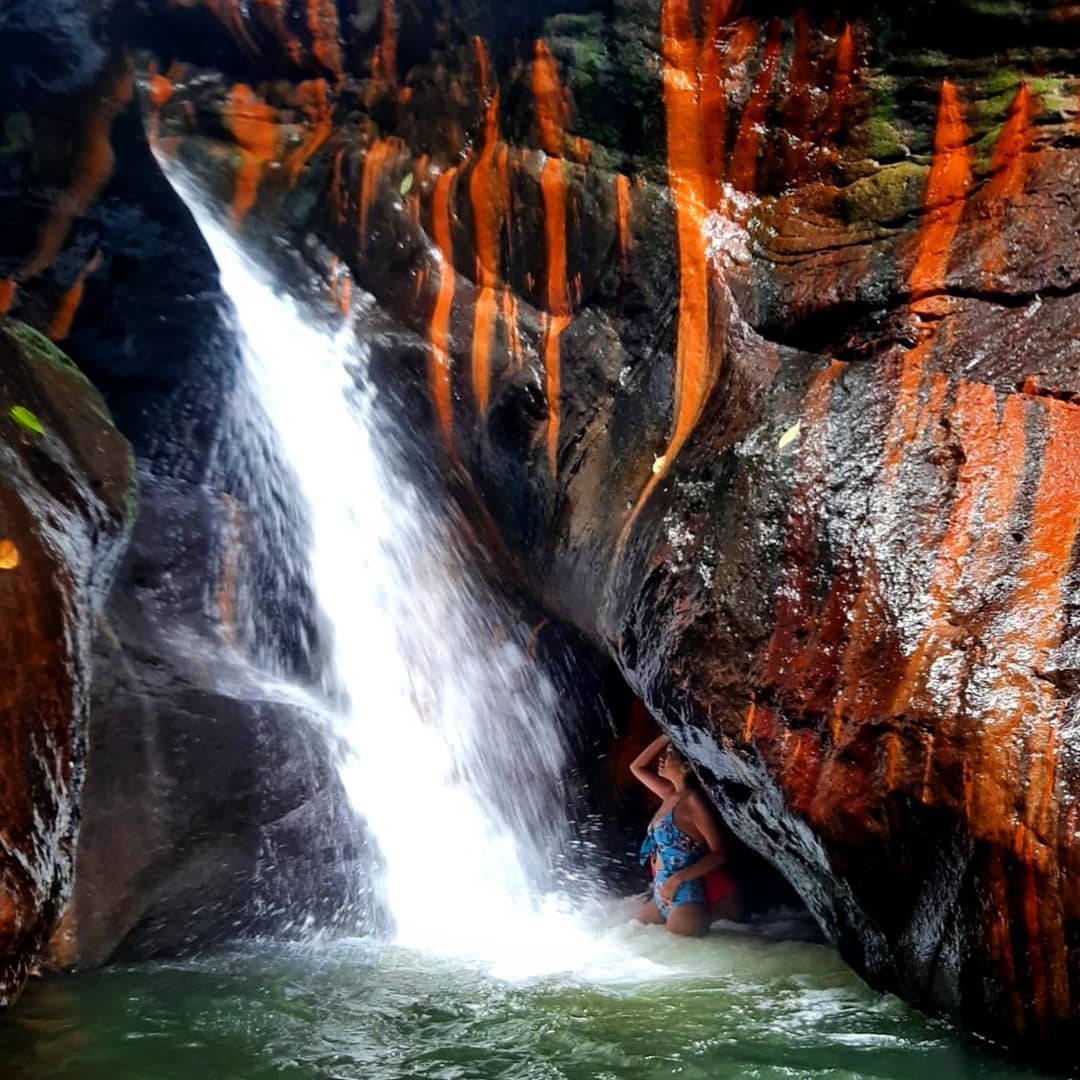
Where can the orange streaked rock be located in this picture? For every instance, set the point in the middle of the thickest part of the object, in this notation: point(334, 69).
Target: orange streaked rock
point(622, 218)
point(439, 369)
point(384, 58)
point(93, 168)
point(694, 366)
point(742, 172)
point(554, 327)
point(253, 126)
point(556, 295)
point(379, 155)
point(312, 96)
point(322, 23)
point(945, 197)
point(551, 106)
point(66, 310)
point(1009, 165)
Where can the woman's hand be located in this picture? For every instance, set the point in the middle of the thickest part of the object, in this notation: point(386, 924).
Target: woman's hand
point(669, 887)
point(644, 768)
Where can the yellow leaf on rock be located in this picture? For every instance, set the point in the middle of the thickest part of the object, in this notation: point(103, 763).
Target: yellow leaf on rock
point(790, 435)
point(9, 555)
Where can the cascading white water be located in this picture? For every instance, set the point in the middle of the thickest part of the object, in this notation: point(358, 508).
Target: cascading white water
point(452, 749)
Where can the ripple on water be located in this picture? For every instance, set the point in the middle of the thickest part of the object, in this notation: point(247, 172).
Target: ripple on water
point(733, 1005)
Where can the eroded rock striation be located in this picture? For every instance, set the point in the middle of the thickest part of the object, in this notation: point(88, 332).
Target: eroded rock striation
point(749, 330)
point(66, 502)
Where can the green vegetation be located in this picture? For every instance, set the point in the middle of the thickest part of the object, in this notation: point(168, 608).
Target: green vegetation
point(26, 419)
point(36, 346)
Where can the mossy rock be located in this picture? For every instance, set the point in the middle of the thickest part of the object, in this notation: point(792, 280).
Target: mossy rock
point(886, 197)
point(40, 378)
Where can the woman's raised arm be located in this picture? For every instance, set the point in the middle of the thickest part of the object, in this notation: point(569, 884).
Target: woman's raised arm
point(644, 768)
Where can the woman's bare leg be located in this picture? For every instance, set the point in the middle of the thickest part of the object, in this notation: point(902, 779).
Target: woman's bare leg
point(728, 909)
point(649, 913)
point(689, 920)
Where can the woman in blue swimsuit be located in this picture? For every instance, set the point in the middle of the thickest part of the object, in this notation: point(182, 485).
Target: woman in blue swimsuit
point(683, 846)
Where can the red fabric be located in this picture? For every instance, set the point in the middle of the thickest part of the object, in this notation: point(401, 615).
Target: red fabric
point(718, 885)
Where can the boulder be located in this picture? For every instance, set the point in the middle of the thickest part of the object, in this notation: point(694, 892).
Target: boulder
point(750, 330)
point(212, 807)
point(67, 498)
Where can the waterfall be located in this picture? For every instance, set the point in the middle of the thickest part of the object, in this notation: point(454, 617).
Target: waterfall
point(450, 746)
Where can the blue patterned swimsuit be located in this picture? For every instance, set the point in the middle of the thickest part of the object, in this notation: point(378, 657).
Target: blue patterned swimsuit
point(671, 851)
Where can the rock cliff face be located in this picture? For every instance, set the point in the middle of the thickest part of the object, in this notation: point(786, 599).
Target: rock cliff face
point(66, 501)
point(749, 328)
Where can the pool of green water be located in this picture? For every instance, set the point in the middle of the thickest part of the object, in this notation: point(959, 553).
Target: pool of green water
point(731, 1005)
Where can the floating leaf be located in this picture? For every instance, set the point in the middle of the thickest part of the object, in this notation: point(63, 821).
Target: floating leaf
point(406, 184)
point(9, 555)
point(26, 419)
point(790, 435)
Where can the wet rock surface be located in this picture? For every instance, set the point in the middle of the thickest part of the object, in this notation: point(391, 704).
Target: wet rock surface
point(66, 501)
point(750, 329)
point(212, 807)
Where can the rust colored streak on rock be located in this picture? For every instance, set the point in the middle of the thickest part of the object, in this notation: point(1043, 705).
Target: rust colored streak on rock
point(226, 594)
point(64, 316)
point(278, 10)
point(802, 769)
point(993, 460)
point(553, 190)
point(66, 310)
point(946, 192)
point(744, 157)
point(484, 322)
point(1008, 174)
point(552, 112)
point(554, 326)
point(786, 663)
point(316, 104)
point(337, 188)
point(384, 60)
point(252, 123)
point(322, 21)
point(840, 94)
point(160, 90)
point(856, 701)
point(714, 94)
point(481, 62)
point(798, 108)
point(622, 216)
point(439, 370)
point(231, 17)
point(687, 180)
point(92, 169)
point(557, 295)
point(7, 295)
point(1054, 522)
point(1022, 708)
point(510, 321)
point(489, 186)
point(379, 153)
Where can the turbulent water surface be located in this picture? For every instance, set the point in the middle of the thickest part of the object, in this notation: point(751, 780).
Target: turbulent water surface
point(729, 1006)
